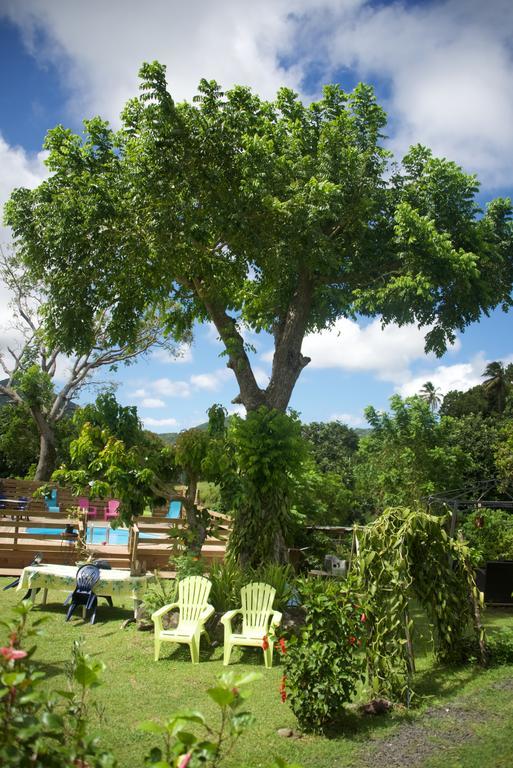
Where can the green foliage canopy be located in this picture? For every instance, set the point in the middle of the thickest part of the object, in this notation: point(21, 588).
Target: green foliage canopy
point(407, 456)
point(121, 421)
point(332, 445)
point(273, 214)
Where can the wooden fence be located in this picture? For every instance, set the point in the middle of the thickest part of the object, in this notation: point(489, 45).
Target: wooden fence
point(31, 527)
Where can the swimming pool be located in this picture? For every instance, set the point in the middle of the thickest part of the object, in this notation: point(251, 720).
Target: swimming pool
point(104, 535)
point(108, 535)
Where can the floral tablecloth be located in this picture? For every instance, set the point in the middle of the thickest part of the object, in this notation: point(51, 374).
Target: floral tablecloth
point(115, 582)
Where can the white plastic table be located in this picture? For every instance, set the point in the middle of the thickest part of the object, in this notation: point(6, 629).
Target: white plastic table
point(115, 582)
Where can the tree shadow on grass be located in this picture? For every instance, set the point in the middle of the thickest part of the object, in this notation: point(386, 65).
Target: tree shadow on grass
point(445, 681)
point(53, 669)
point(104, 612)
point(181, 652)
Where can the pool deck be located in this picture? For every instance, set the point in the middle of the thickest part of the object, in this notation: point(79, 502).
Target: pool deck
point(56, 548)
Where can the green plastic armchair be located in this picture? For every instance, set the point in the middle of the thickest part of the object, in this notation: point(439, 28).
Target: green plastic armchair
point(194, 610)
point(258, 618)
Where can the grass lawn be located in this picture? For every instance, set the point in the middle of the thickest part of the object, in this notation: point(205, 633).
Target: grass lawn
point(464, 716)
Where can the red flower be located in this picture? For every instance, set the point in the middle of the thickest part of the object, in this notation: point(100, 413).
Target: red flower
point(235, 691)
point(351, 640)
point(184, 762)
point(283, 690)
point(363, 617)
point(265, 643)
point(281, 645)
point(11, 653)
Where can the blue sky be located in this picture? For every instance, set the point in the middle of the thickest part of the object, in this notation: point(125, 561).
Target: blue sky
point(442, 70)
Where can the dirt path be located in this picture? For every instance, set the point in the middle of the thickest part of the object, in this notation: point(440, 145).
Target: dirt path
point(437, 729)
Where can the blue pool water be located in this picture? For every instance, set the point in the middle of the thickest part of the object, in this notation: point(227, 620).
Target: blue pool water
point(97, 535)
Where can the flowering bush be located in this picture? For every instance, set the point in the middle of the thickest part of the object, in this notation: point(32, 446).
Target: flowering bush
point(40, 729)
point(323, 664)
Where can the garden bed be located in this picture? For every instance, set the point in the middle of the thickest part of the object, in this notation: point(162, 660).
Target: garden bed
point(136, 689)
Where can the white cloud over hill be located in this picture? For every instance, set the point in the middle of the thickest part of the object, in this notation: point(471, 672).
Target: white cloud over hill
point(461, 376)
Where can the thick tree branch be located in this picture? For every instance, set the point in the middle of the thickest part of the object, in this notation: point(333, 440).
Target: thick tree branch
point(250, 393)
point(11, 394)
point(289, 332)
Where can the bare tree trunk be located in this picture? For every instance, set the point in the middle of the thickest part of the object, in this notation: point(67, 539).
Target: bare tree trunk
point(47, 447)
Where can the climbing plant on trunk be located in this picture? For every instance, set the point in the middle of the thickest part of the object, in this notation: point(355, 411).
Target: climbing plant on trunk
point(273, 215)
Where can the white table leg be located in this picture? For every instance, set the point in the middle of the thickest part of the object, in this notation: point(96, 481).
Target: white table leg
point(44, 596)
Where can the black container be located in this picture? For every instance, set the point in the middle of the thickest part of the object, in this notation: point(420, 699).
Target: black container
point(499, 582)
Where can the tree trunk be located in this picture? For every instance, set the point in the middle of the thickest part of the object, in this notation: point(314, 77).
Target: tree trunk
point(47, 447)
point(195, 522)
point(288, 362)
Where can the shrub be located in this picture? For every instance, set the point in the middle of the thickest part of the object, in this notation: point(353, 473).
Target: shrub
point(281, 577)
point(227, 579)
point(188, 565)
point(489, 533)
point(159, 594)
point(323, 664)
point(41, 729)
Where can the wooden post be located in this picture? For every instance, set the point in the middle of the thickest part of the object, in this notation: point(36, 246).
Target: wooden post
point(409, 644)
point(354, 549)
point(454, 518)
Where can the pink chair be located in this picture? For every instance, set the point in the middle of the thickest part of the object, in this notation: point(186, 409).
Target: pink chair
point(112, 509)
point(84, 503)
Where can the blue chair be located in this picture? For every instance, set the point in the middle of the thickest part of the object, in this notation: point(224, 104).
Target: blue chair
point(51, 501)
point(83, 595)
point(174, 513)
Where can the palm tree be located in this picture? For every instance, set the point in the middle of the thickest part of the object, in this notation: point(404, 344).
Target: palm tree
point(432, 395)
point(498, 383)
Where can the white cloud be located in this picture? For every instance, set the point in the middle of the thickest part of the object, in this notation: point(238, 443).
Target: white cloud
point(211, 381)
point(448, 65)
point(139, 393)
point(148, 421)
point(350, 419)
point(100, 46)
point(18, 169)
point(261, 376)
point(152, 402)
point(461, 376)
point(171, 388)
point(237, 410)
point(387, 352)
point(183, 355)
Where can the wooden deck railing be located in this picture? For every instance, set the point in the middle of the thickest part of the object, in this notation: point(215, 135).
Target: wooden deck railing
point(149, 539)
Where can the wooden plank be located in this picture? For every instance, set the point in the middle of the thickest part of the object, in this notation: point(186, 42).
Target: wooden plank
point(35, 536)
point(42, 522)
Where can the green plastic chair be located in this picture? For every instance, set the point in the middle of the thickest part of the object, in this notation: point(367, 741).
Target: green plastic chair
point(194, 610)
point(258, 618)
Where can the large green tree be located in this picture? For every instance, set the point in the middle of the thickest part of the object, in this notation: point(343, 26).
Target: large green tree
point(499, 378)
point(269, 214)
point(332, 445)
point(408, 456)
point(31, 365)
